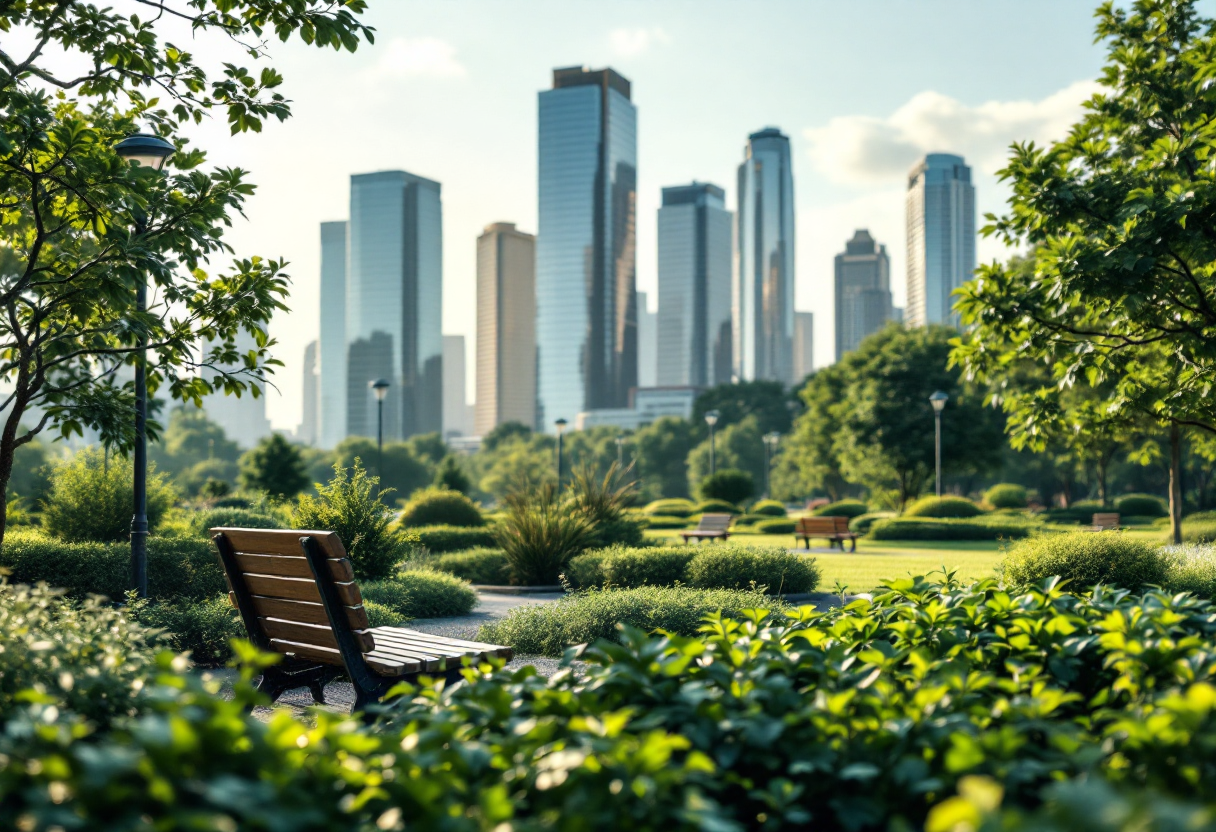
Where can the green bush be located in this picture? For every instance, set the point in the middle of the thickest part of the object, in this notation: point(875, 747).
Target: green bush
point(862, 523)
point(422, 593)
point(674, 507)
point(624, 567)
point(1198, 517)
point(240, 518)
point(350, 505)
point(742, 567)
point(177, 567)
point(947, 506)
point(777, 525)
point(441, 539)
point(548, 629)
point(441, 507)
point(479, 565)
point(746, 520)
point(1191, 568)
point(1198, 532)
point(539, 534)
point(1141, 505)
point(91, 498)
point(770, 508)
point(842, 508)
point(1137, 520)
point(204, 629)
point(660, 521)
point(1081, 512)
point(1085, 559)
point(379, 615)
point(945, 528)
point(716, 507)
point(729, 484)
point(1006, 495)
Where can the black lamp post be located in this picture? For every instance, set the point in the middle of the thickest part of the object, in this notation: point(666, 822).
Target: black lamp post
point(380, 389)
point(560, 424)
point(149, 151)
point(711, 419)
point(938, 400)
point(770, 450)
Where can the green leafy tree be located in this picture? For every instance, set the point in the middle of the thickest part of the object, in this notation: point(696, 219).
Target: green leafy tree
point(737, 446)
point(92, 497)
point(809, 460)
point(81, 231)
point(514, 461)
point(276, 467)
point(505, 432)
point(427, 448)
point(732, 485)
point(450, 474)
point(403, 472)
point(661, 452)
point(768, 401)
point(1121, 217)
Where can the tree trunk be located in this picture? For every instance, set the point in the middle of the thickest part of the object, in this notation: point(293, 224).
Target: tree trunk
point(1102, 465)
point(1175, 484)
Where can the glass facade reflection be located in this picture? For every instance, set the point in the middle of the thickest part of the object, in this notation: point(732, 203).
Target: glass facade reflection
point(941, 237)
point(331, 396)
point(863, 291)
point(694, 340)
point(763, 296)
point(586, 314)
point(506, 328)
point(394, 304)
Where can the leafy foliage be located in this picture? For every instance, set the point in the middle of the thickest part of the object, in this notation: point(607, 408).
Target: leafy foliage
point(450, 475)
point(603, 501)
point(862, 523)
point(275, 466)
point(842, 508)
point(203, 629)
point(662, 456)
point(770, 569)
point(623, 567)
point(452, 538)
point(731, 485)
point(993, 527)
point(92, 498)
point(1085, 559)
point(239, 518)
point(479, 566)
point(776, 525)
point(441, 507)
point(769, 508)
point(422, 593)
point(1006, 495)
point(739, 446)
point(946, 506)
point(1140, 505)
point(672, 508)
point(1191, 568)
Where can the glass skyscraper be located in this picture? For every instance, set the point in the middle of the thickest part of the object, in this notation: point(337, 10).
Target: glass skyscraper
point(694, 287)
point(586, 313)
point(331, 360)
point(863, 291)
point(763, 296)
point(941, 237)
point(506, 328)
point(394, 303)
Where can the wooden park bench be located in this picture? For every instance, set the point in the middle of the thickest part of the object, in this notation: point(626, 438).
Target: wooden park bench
point(297, 595)
point(711, 527)
point(833, 529)
point(1106, 522)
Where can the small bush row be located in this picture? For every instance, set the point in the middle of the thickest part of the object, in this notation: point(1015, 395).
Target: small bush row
point(948, 506)
point(422, 593)
point(441, 539)
point(842, 508)
point(479, 566)
point(712, 566)
point(994, 527)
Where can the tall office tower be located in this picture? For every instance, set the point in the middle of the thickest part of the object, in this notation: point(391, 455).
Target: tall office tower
point(804, 345)
point(243, 418)
point(763, 296)
point(586, 314)
point(308, 419)
point(863, 291)
point(394, 303)
point(941, 237)
point(455, 407)
point(648, 343)
point(694, 287)
point(506, 328)
point(331, 397)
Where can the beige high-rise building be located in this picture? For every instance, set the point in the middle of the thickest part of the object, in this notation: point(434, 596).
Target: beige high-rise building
point(506, 328)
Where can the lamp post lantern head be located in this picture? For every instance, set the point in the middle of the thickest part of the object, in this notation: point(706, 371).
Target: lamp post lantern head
point(711, 417)
point(560, 424)
point(938, 400)
point(620, 440)
point(772, 438)
point(146, 150)
point(379, 388)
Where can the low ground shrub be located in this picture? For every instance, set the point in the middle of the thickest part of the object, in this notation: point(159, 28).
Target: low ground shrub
point(772, 569)
point(747, 520)
point(671, 508)
point(1199, 517)
point(548, 629)
point(1006, 495)
point(440, 507)
point(862, 523)
point(717, 507)
point(204, 629)
point(91, 498)
point(770, 508)
point(422, 593)
point(439, 539)
point(620, 566)
point(660, 521)
point(1085, 559)
point(842, 508)
point(480, 566)
point(1138, 520)
point(1191, 568)
point(241, 518)
point(1141, 505)
point(947, 506)
point(1198, 532)
point(945, 528)
point(776, 525)
point(379, 615)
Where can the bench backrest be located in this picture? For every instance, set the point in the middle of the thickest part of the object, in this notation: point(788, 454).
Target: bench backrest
point(714, 523)
point(1108, 520)
point(821, 525)
point(273, 584)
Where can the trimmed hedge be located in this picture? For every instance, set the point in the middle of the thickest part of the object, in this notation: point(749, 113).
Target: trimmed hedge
point(770, 569)
point(441, 507)
point(479, 566)
point(948, 506)
point(864, 522)
point(1006, 495)
point(623, 567)
point(717, 507)
point(1191, 568)
point(842, 508)
point(1085, 559)
point(674, 507)
point(422, 593)
point(746, 520)
point(667, 521)
point(777, 525)
point(201, 522)
point(454, 538)
point(1081, 512)
point(769, 508)
point(928, 528)
point(1141, 505)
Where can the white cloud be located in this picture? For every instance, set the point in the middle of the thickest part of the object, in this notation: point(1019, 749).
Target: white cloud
point(630, 42)
point(423, 57)
point(864, 149)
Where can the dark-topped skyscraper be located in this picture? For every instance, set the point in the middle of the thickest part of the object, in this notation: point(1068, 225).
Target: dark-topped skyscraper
point(763, 296)
point(694, 333)
point(941, 237)
point(586, 308)
point(863, 291)
point(394, 303)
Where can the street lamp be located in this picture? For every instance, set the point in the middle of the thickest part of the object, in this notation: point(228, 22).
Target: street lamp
point(148, 151)
point(380, 390)
point(620, 451)
point(938, 400)
point(770, 450)
point(711, 419)
point(560, 424)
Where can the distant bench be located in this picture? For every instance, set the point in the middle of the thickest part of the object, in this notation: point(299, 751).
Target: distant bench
point(833, 529)
point(711, 527)
point(1106, 522)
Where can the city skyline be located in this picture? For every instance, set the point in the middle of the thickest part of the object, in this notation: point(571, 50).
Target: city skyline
point(862, 291)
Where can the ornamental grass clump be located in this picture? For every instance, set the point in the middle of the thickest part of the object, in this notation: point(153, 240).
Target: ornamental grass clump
point(1086, 559)
point(539, 533)
point(604, 502)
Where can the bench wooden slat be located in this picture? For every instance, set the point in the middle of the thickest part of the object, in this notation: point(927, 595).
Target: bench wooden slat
point(380, 663)
point(279, 541)
point(322, 636)
point(446, 641)
point(302, 611)
point(283, 566)
point(392, 653)
point(299, 589)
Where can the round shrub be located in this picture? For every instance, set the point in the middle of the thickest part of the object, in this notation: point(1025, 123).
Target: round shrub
point(842, 508)
point(717, 507)
point(92, 498)
point(776, 525)
point(1085, 559)
point(238, 518)
point(861, 523)
point(441, 507)
point(769, 508)
point(945, 507)
point(482, 565)
point(729, 484)
point(671, 508)
point(378, 615)
point(741, 567)
point(422, 593)
point(660, 521)
point(1006, 495)
point(625, 567)
point(1143, 505)
point(438, 539)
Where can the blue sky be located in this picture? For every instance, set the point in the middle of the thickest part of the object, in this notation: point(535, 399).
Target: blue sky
point(449, 92)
